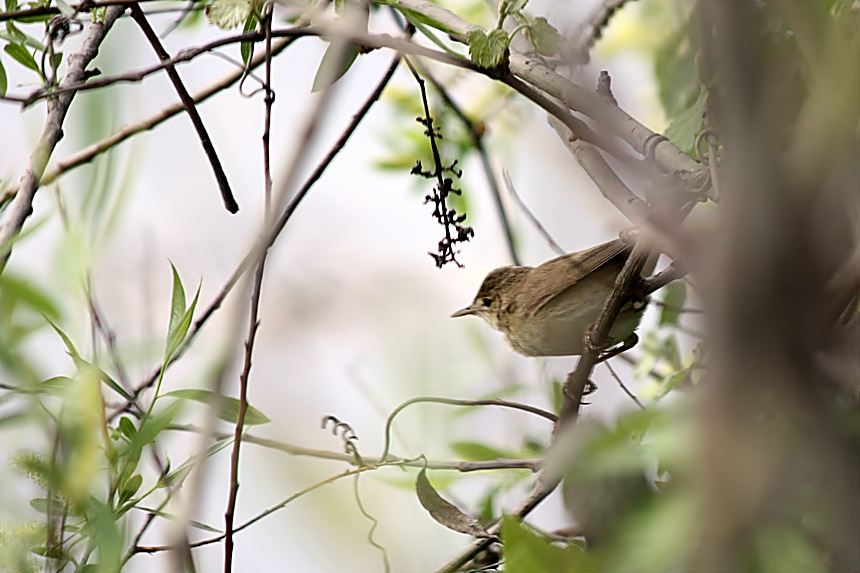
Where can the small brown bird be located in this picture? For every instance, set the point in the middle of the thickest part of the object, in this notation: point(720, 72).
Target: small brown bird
point(545, 310)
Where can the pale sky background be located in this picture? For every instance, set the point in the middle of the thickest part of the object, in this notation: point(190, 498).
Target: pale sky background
point(355, 316)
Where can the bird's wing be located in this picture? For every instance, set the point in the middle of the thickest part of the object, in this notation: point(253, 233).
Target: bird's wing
point(554, 277)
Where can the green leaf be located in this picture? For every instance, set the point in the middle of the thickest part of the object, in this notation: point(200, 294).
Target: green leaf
point(129, 487)
point(414, 16)
point(82, 364)
point(247, 48)
point(659, 534)
point(25, 292)
point(335, 55)
point(675, 69)
point(179, 326)
point(557, 395)
point(11, 5)
point(4, 81)
point(544, 37)
point(55, 385)
point(508, 7)
point(229, 406)
point(126, 426)
point(22, 56)
point(685, 126)
point(227, 14)
point(151, 428)
point(670, 382)
point(40, 504)
point(488, 51)
point(202, 526)
point(107, 536)
point(182, 471)
point(177, 301)
point(673, 303)
point(527, 552)
point(443, 511)
point(16, 36)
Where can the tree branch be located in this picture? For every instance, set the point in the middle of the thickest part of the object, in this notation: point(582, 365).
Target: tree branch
point(22, 206)
point(205, 141)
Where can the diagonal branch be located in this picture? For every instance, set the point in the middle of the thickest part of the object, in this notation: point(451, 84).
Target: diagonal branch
point(598, 335)
point(129, 130)
point(224, 186)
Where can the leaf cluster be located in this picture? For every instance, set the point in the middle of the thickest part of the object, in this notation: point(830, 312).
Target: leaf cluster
point(490, 49)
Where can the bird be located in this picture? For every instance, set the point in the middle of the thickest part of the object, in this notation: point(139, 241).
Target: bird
point(546, 310)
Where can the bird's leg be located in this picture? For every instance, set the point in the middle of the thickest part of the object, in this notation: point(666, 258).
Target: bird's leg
point(590, 388)
point(628, 343)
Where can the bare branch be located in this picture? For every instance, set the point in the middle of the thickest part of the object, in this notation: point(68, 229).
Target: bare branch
point(597, 336)
point(81, 7)
point(205, 141)
point(541, 229)
point(626, 390)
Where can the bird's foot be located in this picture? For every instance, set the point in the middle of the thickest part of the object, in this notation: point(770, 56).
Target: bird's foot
point(628, 343)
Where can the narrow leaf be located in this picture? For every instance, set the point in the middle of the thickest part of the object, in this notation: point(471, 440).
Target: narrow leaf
point(4, 81)
point(673, 301)
point(247, 48)
point(22, 56)
point(183, 470)
point(335, 55)
point(443, 511)
point(179, 329)
point(177, 301)
point(229, 406)
point(129, 487)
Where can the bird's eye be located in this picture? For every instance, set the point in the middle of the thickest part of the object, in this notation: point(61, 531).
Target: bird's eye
point(487, 301)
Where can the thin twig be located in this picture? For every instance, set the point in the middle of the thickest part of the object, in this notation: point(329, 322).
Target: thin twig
point(531, 464)
point(88, 154)
point(623, 386)
point(454, 402)
point(253, 320)
point(541, 229)
point(190, 108)
point(49, 10)
point(265, 513)
point(336, 148)
point(182, 57)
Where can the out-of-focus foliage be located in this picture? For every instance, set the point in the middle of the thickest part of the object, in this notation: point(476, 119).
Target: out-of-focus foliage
point(664, 31)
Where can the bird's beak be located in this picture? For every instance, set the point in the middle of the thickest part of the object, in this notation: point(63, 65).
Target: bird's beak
point(465, 311)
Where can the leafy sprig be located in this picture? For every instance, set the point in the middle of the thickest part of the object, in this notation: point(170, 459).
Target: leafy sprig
point(491, 50)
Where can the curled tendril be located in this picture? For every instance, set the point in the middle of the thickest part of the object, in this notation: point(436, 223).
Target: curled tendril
point(347, 434)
